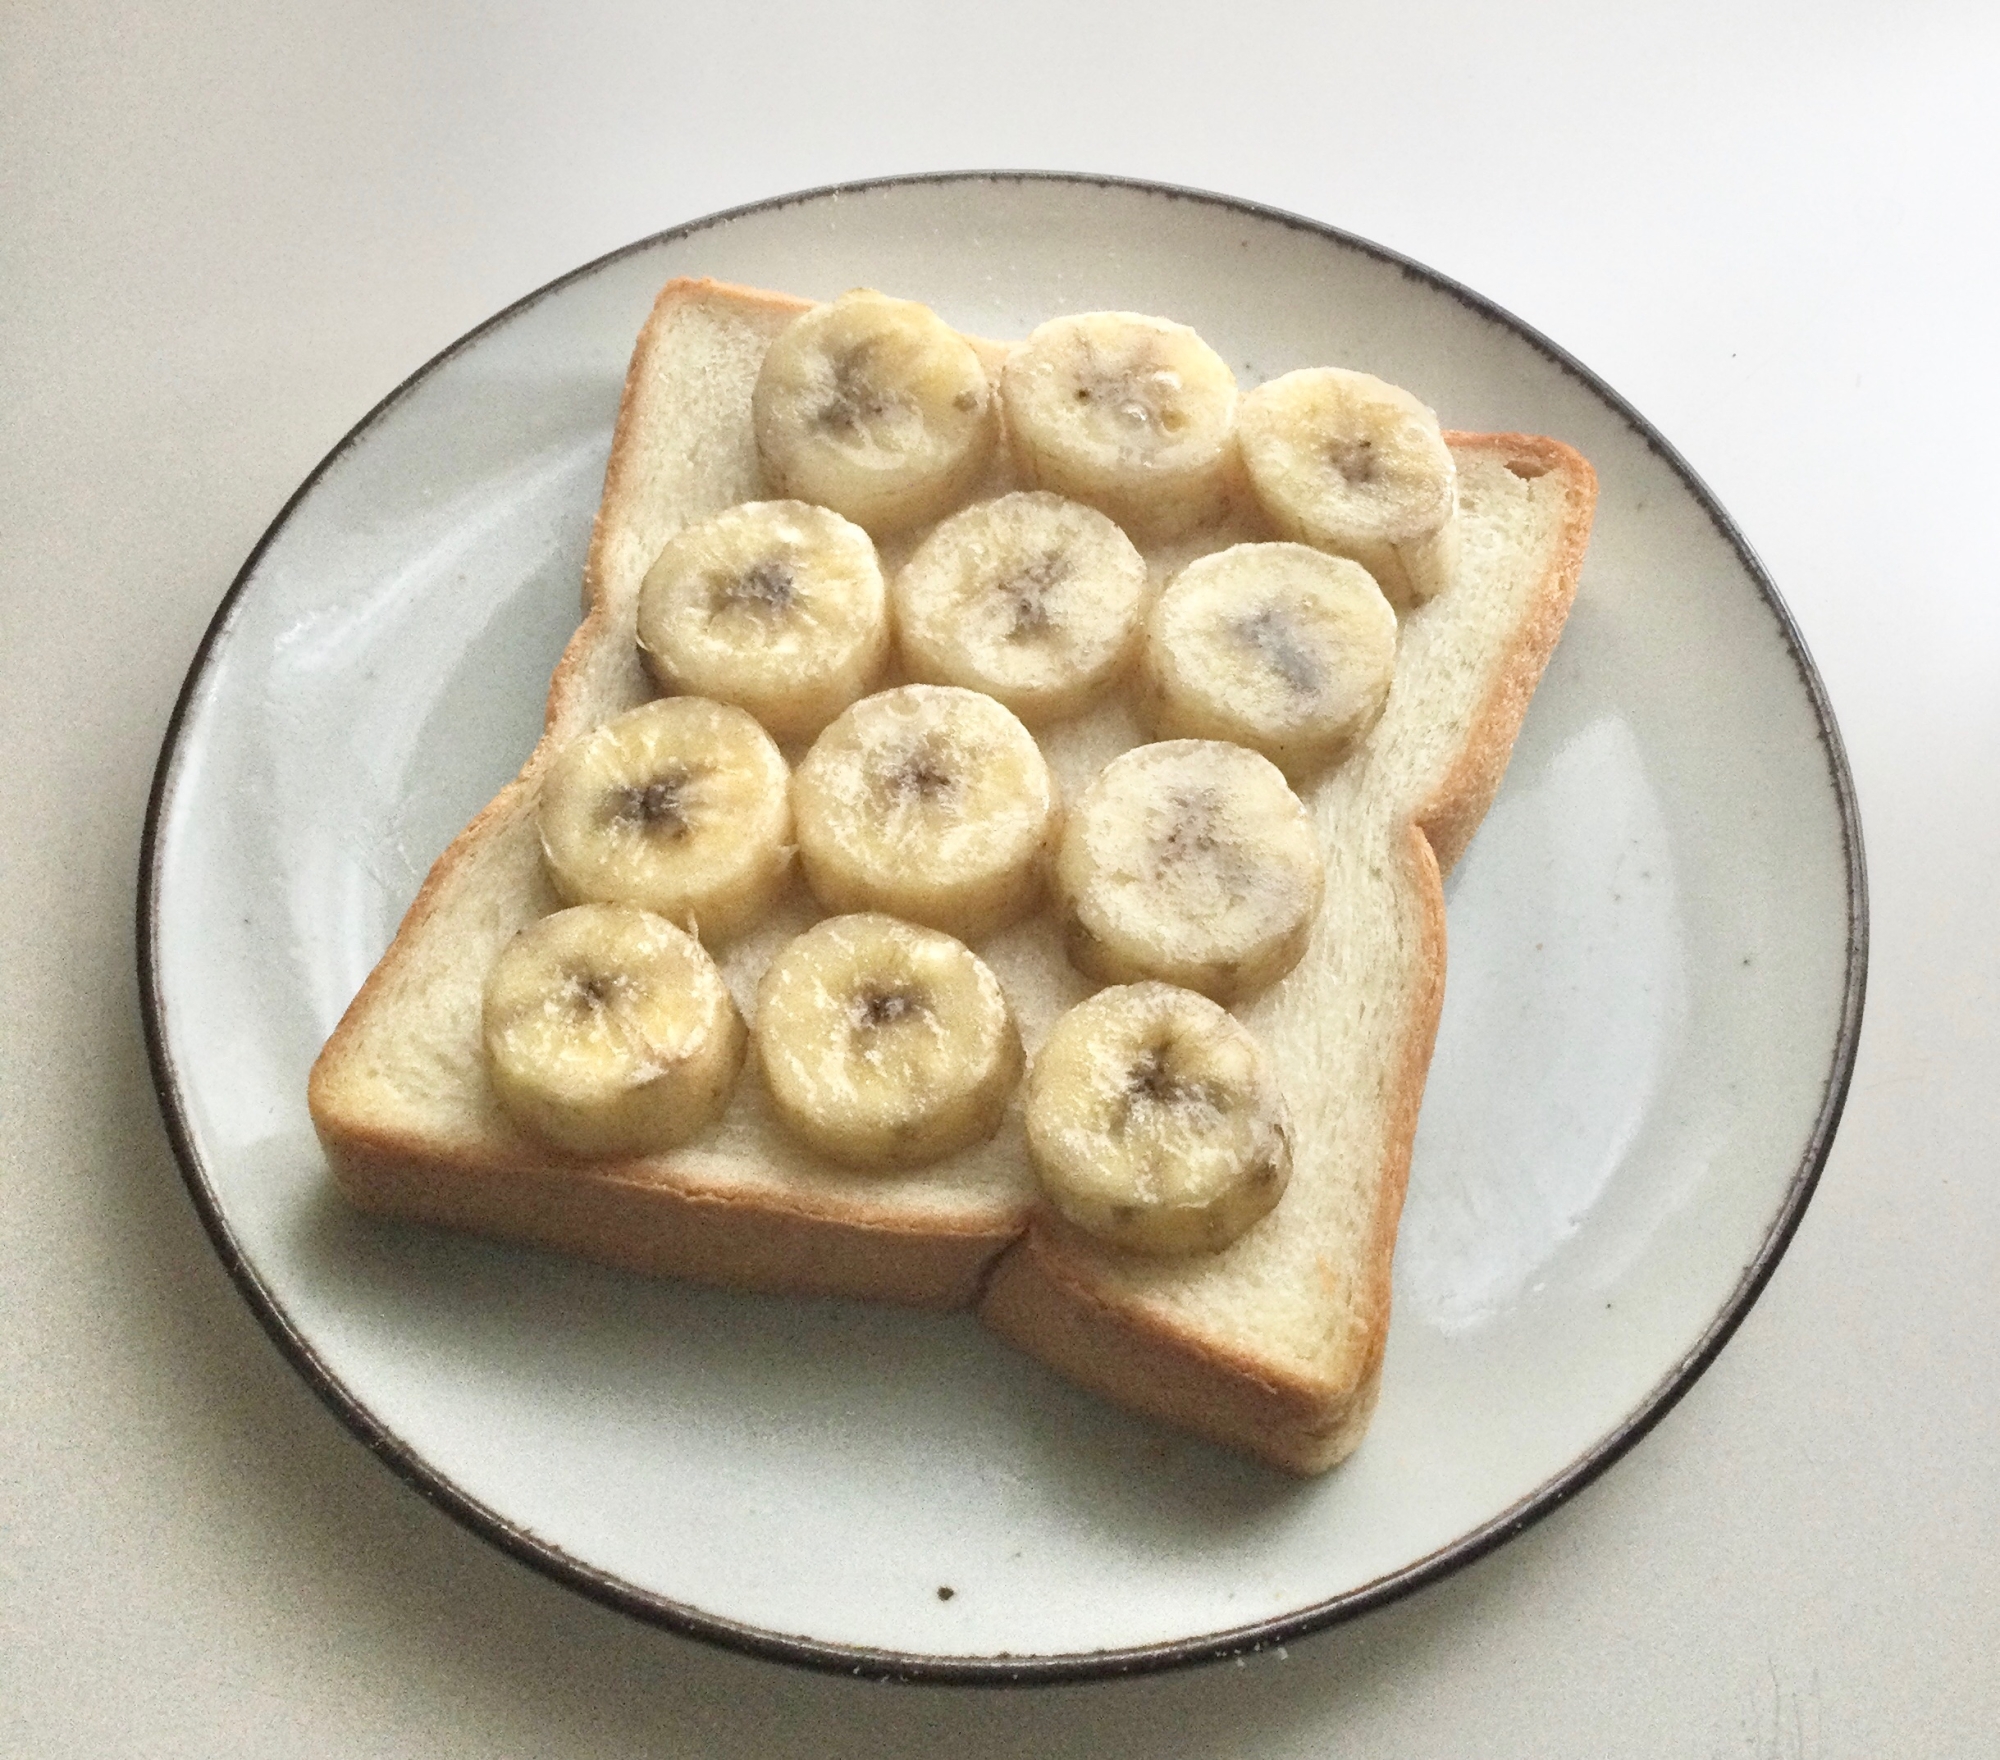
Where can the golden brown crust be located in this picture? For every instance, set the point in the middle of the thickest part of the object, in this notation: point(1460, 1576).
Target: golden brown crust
point(1042, 1298)
point(648, 1217)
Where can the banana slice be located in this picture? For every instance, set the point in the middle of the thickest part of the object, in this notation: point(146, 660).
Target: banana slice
point(930, 803)
point(1155, 1122)
point(1190, 861)
point(885, 1045)
point(1277, 647)
point(876, 408)
point(1032, 599)
point(1131, 414)
point(679, 806)
point(610, 1032)
point(1349, 463)
point(775, 606)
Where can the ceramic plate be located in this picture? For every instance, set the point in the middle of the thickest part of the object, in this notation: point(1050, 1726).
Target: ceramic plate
point(1657, 945)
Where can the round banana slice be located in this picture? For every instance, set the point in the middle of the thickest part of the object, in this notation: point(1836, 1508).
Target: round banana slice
point(930, 803)
point(1349, 463)
point(885, 1045)
point(775, 606)
point(876, 408)
point(1155, 1122)
point(1277, 647)
point(1033, 599)
point(1189, 861)
point(1131, 414)
point(679, 806)
point(610, 1032)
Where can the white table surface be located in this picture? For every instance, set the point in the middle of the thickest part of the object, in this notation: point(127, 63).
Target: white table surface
point(226, 229)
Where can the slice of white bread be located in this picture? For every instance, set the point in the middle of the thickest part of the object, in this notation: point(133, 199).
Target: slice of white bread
point(1273, 1345)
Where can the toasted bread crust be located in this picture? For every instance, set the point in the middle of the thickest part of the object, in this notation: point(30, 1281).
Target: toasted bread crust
point(663, 1219)
point(1042, 1298)
point(702, 1215)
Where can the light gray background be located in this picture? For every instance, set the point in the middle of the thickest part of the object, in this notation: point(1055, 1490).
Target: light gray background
point(226, 229)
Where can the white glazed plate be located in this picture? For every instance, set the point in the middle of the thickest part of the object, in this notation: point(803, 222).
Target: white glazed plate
point(1657, 951)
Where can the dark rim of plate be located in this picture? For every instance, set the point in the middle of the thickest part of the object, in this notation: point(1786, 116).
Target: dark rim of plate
point(996, 1670)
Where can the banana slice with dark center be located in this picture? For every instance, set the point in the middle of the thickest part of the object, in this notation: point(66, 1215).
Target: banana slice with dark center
point(1131, 414)
point(1278, 647)
point(1032, 598)
point(1155, 1121)
point(775, 606)
point(610, 1032)
point(1190, 861)
point(680, 806)
point(1354, 465)
point(876, 408)
point(931, 803)
point(884, 1044)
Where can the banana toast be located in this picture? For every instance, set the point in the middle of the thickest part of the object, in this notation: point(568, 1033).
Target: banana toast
point(1272, 1344)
